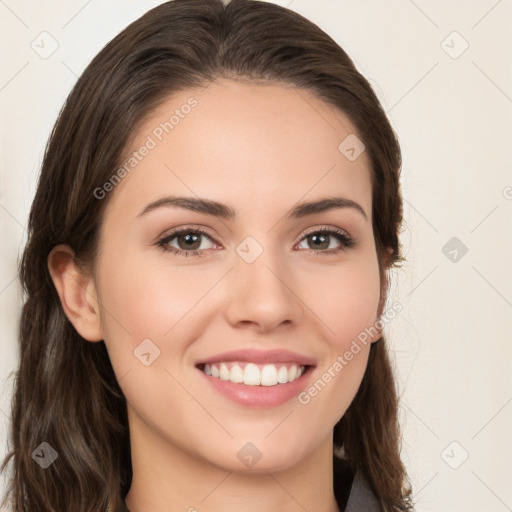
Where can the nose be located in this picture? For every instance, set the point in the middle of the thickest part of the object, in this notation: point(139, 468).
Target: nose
point(262, 294)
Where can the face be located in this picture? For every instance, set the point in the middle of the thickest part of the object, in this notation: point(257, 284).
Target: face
point(275, 285)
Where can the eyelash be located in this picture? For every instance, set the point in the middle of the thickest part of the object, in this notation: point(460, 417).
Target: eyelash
point(346, 241)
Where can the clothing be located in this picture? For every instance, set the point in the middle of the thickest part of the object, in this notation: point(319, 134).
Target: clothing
point(361, 498)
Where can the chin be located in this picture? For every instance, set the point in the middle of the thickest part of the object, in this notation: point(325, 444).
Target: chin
point(251, 459)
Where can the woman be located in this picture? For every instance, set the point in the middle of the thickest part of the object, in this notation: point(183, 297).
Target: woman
point(206, 274)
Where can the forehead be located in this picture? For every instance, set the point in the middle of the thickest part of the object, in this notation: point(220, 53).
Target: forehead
point(244, 143)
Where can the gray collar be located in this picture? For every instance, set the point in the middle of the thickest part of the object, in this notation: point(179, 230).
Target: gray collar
point(362, 498)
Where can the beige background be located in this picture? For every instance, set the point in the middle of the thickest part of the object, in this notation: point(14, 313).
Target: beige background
point(452, 110)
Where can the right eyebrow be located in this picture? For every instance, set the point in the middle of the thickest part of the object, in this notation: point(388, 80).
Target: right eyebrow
point(195, 204)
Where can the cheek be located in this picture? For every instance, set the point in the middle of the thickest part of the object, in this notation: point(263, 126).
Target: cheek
point(348, 311)
point(346, 301)
point(146, 300)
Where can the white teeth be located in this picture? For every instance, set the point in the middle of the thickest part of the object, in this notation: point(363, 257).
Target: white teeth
point(223, 372)
point(282, 375)
point(252, 375)
point(269, 375)
point(237, 374)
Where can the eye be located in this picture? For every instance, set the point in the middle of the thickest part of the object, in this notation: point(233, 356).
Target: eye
point(188, 240)
point(322, 238)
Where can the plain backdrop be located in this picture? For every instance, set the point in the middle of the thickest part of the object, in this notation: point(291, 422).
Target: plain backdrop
point(442, 70)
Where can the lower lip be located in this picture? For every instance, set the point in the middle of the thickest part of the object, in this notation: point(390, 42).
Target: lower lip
point(259, 396)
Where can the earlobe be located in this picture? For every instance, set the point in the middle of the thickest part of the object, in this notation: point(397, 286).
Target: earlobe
point(77, 292)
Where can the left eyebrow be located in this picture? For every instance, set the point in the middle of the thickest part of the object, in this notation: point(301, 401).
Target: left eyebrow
point(323, 205)
point(217, 209)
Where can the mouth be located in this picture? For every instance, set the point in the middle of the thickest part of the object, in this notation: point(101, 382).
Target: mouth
point(255, 378)
point(252, 374)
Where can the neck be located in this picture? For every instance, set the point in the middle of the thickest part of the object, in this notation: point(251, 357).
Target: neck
point(167, 478)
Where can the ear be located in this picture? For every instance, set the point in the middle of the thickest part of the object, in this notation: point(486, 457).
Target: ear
point(77, 292)
point(376, 331)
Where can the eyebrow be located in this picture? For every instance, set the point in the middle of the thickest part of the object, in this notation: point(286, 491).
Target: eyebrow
point(209, 207)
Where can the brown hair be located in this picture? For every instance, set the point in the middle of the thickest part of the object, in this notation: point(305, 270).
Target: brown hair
point(66, 393)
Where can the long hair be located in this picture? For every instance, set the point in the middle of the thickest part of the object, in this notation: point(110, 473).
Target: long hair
point(65, 391)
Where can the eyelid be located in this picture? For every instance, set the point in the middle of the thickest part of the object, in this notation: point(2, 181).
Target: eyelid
point(187, 227)
point(321, 228)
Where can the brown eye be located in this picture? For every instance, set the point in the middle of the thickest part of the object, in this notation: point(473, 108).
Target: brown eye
point(319, 241)
point(189, 242)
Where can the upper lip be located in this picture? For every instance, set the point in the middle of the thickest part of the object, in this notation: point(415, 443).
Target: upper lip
point(260, 357)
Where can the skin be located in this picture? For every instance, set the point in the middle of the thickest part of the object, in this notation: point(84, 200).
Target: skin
point(259, 149)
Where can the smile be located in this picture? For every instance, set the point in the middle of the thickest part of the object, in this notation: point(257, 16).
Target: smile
point(257, 378)
point(251, 374)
